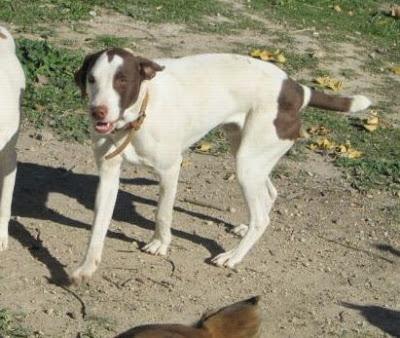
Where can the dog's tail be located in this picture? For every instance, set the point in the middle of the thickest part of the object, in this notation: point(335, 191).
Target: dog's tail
point(350, 104)
point(240, 320)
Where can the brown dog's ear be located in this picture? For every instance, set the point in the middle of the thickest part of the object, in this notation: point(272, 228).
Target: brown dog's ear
point(148, 68)
point(240, 320)
point(81, 74)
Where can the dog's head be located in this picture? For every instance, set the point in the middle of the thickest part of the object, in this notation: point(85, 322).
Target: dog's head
point(112, 79)
point(6, 41)
point(240, 320)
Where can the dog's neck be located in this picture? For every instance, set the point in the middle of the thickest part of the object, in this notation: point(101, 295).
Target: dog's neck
point(134, 115)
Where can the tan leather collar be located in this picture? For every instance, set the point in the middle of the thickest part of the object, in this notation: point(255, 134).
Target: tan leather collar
point(131, 127)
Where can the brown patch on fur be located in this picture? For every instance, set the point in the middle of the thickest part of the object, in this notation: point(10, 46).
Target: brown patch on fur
point(330, 102)
point(3, 36)
point(129, 76)
point(240, 320)
point(82, 73)
point(290, 100)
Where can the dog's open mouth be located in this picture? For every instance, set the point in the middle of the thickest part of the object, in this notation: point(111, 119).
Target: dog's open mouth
point(103, 127)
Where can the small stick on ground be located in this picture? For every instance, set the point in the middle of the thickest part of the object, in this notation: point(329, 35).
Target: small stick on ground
point(202, 204)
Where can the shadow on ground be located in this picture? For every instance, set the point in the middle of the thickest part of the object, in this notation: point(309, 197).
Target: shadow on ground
point(35, 183)
point(385, 319)
point(388, 248)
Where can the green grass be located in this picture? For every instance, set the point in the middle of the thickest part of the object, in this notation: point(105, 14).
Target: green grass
point(368, 21)
point(379, 167)
point(10, 325)
point(56, 103)
point(27, 13)
point(106, 41)
point(190, 12)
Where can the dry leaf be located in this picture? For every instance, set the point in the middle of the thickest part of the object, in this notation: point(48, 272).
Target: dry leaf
point(265, 55)
point(318, 130)
point(328, 82)
point(204, 147)
point(344, 150)
point(337, 8)
point(395, 70)
point(353, 153)
point(42, 79)
point(371, 123)
point(395, 11)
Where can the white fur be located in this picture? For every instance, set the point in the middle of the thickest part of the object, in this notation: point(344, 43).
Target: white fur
point(190, 97)
point(12, 81)
point(102, 91)
point(359, 102)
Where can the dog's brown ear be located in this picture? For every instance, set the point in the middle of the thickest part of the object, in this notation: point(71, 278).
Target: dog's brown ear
point(240, 320)
point(81, 74)
point(148, 68)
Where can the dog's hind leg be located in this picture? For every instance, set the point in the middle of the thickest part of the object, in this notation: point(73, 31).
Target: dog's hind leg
point(162, 236)
point(259, 151)
point(8, 170)
point(233, 133)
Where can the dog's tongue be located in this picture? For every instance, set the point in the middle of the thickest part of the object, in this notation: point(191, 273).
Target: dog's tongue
point(103, 127)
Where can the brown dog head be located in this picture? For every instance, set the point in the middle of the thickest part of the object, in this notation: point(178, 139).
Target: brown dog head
point(240, 320)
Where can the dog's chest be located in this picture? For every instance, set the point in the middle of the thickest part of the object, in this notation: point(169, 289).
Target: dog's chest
point(133, 157)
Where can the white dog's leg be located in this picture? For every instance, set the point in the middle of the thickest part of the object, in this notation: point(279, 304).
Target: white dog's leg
point(8, 170)
point(162, 236)
point(241, 230)
point(257, 155)
point(109, 172)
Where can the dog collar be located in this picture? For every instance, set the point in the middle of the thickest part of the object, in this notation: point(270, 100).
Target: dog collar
point(131, 127)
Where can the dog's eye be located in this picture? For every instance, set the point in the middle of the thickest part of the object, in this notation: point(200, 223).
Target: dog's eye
point(91, 79)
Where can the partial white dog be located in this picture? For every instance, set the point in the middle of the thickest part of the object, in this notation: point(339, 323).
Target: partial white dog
point(255, 101)
point(12, 84)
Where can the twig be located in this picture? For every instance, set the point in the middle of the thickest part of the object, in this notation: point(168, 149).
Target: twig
point(83, 305)
point(172, 265)
point(201, 204)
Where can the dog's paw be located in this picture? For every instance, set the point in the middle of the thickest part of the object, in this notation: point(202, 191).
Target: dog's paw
point(3, 242)
point(156, 247)
point(227, 259)
point(82, 274)
point(240, 230)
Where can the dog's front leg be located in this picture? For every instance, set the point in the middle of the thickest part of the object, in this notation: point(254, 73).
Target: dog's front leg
point(162, 236)
point(109, 172)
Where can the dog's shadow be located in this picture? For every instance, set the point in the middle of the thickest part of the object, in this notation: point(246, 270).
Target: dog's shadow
point(385, 319)
point(35, 183)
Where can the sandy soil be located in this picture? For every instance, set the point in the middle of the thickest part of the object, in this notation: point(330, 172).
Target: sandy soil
point(328, 265)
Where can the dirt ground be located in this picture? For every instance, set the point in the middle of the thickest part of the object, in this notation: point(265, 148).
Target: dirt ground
point(327, 266)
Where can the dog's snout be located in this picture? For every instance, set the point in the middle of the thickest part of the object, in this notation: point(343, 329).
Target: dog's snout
point(99, 112)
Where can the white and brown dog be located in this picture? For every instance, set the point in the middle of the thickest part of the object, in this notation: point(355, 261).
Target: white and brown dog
point(12, 84)
point(256, 102)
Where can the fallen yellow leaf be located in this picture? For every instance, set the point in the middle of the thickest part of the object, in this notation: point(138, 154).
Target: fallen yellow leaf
point(327, 82)
point(344, 150)
point(318, 130)
point(371, 123)
point(265, 55)
point(353, 153)
point(395, 70)
point(337, 8)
